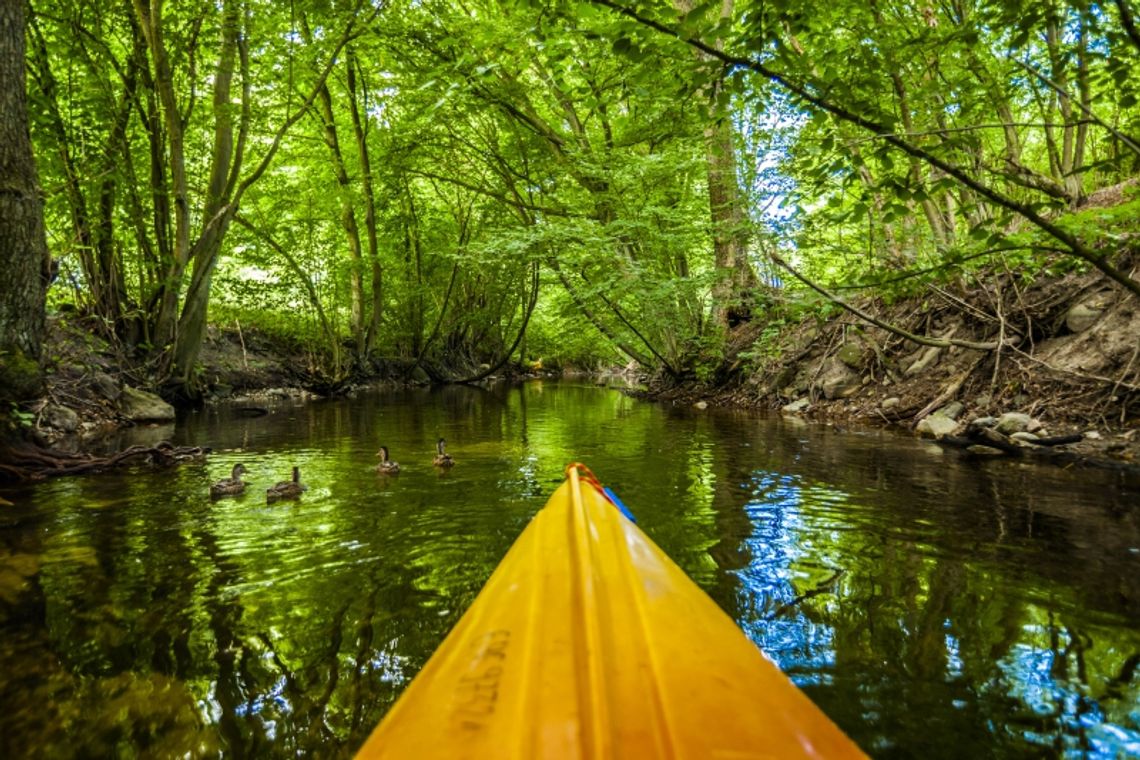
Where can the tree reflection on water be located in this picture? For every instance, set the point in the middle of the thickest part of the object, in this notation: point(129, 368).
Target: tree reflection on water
point(931, 605)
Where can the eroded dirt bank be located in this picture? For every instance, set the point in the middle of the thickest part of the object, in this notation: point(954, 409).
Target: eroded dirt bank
point(1061, 380)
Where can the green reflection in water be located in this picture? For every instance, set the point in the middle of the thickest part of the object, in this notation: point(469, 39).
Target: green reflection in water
point(930, 605)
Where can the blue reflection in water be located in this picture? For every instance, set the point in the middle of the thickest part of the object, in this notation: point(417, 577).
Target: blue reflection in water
point(803, 575)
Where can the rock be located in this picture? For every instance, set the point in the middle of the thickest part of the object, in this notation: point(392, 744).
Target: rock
point(419, 375)
point(850, 354)
point(985, 451)
point(1012, 422)
point(890, 403)
point(928, 359)
point(796, 406)
point(982, 401)
point(936, 426)
point(1081, 317)
point(983, 422)
point(838, 380)
point(1034, 426)
point(1092, 435)
point(702, 405)
point(61, 418)
point(140, 406)
point(784, 377)
point(951, 410)
point(1024, 437)
point(106, 386)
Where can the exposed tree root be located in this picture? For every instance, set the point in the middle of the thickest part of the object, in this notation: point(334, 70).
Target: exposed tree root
point(29, 463)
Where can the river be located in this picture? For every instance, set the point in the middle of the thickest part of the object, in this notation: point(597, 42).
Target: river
point(933, 605)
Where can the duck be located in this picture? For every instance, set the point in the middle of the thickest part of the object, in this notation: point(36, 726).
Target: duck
point(442, 458)
point(286, 489)
point(386, 466)
point(230, 486)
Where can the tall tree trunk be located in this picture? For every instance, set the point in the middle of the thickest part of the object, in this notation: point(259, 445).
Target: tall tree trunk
point(23, 246)
point(730, 235)
point(347, 220)
point(217, 212)
point(369, 205)
point(1072, 134)
point(150, 21)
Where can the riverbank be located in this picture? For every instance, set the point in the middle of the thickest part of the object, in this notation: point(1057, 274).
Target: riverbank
point(93, 390)
point(1061, 381)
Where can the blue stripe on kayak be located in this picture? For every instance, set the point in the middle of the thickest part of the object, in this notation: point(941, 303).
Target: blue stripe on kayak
point(621, 507)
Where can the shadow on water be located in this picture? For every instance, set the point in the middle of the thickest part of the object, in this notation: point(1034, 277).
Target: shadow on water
point(931, 605)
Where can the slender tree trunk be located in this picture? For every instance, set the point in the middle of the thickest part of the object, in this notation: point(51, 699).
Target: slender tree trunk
point(1074, 183)
point(1072, 134)
point(369, 206)
point(150, 21)
point(217, 212)
point(730, 235)
point(24, 258)
point(347, 220)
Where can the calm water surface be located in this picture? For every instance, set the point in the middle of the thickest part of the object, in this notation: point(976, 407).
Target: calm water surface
point(932, 605)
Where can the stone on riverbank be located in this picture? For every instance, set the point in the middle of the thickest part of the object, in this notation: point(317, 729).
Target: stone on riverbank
point(1013, 422)
point(796, 406)
point(838, 380)
point(140, 406)
point(936, 426)
point(61, 418)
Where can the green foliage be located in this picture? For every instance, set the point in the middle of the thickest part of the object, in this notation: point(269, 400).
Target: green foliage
point(457, 148)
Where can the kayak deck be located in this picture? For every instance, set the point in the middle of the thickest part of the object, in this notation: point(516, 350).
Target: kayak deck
point(589, 642)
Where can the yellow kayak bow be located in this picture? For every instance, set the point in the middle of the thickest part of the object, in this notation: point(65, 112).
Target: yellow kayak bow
point(589, 642)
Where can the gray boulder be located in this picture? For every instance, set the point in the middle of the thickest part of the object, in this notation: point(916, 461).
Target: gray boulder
point(838, 380)
point(1081, 317)
point(936, 426)
point(140, 406)
point(106, 386)
point(1013, 422)
point(796, 406)
point(952, 410)
point(61, 418)
point(850, 354)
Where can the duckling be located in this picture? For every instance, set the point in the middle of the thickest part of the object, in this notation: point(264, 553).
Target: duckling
point(442, 459)
point(230, 486)
point(286, 489)
point(386, 467)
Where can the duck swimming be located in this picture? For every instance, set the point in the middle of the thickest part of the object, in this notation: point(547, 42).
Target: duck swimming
point(442, 458)
point(286, 489)
point(230, 486)
point(386, 466)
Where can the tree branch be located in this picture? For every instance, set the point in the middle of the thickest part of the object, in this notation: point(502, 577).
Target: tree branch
point(919, 339)
point(1078, 249)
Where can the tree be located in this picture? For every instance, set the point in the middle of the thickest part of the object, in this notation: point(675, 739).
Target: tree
point(24, 258)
